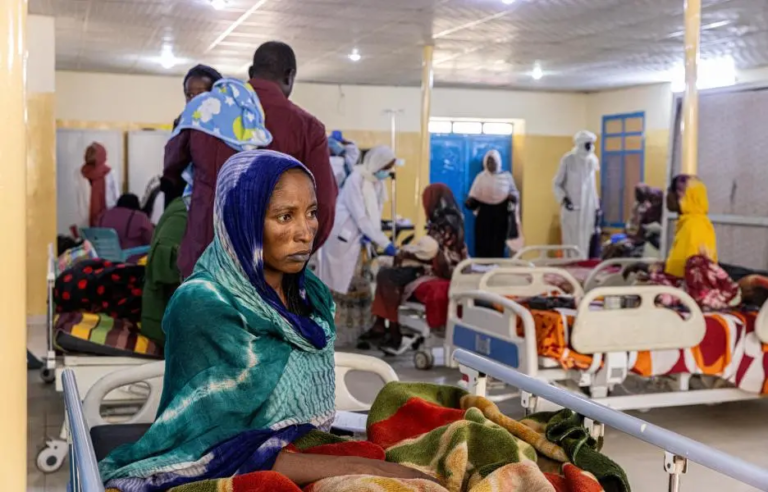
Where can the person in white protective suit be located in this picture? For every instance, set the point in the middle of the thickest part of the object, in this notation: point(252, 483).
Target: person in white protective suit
point(358, 216)
point(576, 192)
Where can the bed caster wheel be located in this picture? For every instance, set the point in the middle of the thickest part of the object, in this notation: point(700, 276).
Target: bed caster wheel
point(47, 375)
point(423, 360)
point(51, 457)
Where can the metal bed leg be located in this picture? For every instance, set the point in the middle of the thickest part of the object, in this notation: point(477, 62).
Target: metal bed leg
point(529, 402)
point(477, 383)
point(675, 466)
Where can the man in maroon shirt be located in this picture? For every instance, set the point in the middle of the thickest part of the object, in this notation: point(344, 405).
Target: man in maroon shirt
point(294, 131)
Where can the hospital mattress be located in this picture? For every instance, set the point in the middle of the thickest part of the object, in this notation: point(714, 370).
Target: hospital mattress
point(730, 350)
point(99, 334)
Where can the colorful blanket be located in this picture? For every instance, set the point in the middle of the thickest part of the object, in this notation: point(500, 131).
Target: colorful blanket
point(462, 441)
point(100, 334)
point(730, 350)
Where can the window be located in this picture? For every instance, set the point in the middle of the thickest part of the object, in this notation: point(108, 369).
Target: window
point(470, 127)
point(622, 165)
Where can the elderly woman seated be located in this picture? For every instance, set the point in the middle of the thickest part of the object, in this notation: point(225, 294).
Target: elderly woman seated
point(249, 345)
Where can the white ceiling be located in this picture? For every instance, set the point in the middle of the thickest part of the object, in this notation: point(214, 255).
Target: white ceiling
point(581, 44)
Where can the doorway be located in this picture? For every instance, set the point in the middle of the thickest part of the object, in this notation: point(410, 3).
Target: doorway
point(456, 158)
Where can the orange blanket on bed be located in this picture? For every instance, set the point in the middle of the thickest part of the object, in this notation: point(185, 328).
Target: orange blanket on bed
point(730, 349)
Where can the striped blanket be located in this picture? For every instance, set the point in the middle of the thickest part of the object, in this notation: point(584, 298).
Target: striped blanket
point(100, 334)
point(462, 441)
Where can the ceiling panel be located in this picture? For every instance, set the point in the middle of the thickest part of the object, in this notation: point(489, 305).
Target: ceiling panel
point(580, 44)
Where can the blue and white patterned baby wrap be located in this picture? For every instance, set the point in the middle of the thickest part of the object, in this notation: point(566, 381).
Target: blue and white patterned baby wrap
point(232, 113)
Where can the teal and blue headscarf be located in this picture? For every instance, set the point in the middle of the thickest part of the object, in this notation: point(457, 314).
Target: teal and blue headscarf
point(231, 112)
point(243, 191)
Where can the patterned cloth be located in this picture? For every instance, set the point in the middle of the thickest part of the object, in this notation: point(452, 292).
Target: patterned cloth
point(75, 255)
point(244, 376)
point(231, 112)
point(100, 286)
point(99, 334)
point(730, 350)
point(462, 441)
point(705, 281)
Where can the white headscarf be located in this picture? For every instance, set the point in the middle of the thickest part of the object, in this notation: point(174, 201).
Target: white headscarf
point(580, 139)
point(374, 161)
point(492, 188)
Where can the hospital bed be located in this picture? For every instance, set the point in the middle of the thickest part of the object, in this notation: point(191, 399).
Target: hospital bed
point(489, 322)
point(412, 315)
point(678, 450)
point(89, 369)
point(91, 437)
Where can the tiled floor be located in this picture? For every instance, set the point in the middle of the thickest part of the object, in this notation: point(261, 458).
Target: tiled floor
point(740, 429)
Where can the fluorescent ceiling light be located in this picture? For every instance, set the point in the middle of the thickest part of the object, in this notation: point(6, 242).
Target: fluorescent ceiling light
point(714, 72)
point(537, 72)
point(507, 2)
point(219, 4)
point(355, 55)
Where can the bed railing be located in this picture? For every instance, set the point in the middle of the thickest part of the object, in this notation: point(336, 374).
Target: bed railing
point(545, 255)
point(644, 327)
point(83, 467)
point(527, 281)
point(678, 449)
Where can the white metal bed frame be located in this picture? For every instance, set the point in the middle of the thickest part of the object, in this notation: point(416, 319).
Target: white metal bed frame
point(610, 335)
point(545, 255)
point(83, 416)
point(678, 450)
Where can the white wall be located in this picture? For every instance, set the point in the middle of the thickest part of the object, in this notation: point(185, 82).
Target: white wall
point(153, 99)
point(41, 60)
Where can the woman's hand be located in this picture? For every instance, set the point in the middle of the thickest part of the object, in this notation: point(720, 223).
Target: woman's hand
point(303, 469)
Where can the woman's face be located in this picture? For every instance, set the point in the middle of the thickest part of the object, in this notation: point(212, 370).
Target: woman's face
point(673, 203)
point(492, 165)
point(194, 86)
point(290, 225)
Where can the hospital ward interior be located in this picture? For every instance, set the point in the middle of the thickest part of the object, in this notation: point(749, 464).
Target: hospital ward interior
point(384, 245)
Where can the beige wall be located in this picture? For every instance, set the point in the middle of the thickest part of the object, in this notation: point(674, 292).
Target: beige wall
point(41, 158)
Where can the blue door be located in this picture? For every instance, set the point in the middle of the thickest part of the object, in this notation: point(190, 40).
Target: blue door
point(457, 159)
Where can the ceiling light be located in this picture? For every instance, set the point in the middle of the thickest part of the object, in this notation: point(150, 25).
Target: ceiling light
point(711, 73)
point(537, 72)
point(355, 55)
point(507, 2)
point(167, 59)
point(219, 4)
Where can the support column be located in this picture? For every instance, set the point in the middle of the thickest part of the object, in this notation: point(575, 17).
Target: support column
point(13, 373)
point(691, 98)
point(422, 176)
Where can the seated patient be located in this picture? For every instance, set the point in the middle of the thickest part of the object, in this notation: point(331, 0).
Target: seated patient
point(446, 227)
point(249, 361)
point(133, 227)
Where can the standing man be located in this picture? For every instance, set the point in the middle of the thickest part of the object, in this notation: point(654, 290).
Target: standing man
point(294, 131)
point(576, 192)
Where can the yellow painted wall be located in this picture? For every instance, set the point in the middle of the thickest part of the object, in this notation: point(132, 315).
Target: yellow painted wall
point(41, 195)
point(540, 157)
point(656, 157)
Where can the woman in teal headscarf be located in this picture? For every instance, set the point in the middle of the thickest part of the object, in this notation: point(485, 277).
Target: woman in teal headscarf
point(249, 345)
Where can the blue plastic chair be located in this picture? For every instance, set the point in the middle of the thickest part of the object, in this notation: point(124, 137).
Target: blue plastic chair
point(107, 244)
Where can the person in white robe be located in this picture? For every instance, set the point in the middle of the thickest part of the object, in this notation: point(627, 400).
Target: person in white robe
point(576, 192)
